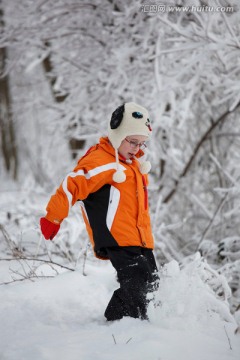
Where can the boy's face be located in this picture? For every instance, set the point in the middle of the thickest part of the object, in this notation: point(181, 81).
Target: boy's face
point(131, 145)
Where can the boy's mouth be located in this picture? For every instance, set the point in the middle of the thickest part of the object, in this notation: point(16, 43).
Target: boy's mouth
point(130, 155)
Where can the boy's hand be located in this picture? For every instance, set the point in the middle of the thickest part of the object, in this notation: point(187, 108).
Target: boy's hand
point(49, 229)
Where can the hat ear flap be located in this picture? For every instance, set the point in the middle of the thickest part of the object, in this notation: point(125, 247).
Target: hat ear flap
point(117, 117)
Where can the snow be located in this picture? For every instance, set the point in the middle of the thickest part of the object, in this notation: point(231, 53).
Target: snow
point(62, 317)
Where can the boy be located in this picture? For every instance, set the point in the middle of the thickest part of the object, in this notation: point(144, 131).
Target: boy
point(111, 185)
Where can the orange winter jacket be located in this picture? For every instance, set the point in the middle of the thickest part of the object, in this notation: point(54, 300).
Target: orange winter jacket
point(115, 214)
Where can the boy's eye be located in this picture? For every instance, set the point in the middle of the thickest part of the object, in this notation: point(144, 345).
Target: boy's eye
point(134, 144)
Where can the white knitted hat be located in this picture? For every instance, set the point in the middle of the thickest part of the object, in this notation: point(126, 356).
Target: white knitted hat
point(128, 119)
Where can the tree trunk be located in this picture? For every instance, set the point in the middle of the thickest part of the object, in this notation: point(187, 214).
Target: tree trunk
point(8, 143)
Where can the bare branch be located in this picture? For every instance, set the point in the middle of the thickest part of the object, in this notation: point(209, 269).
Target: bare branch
point(205, 136)
point(40, 260)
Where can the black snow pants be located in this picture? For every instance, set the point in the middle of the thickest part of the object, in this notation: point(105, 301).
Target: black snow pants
point(137, 274)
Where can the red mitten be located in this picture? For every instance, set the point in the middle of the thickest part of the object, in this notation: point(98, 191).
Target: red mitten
point(49, 229)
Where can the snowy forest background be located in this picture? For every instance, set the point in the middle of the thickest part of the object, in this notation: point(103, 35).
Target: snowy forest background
point(66, 65)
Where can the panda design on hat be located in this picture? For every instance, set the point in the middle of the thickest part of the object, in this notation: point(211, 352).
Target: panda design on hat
point(127, 120)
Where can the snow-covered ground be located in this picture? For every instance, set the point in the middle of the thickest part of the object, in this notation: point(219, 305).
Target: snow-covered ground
point(62, 317)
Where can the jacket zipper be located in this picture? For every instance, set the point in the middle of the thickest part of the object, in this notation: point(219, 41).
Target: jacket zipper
point(145, 192)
